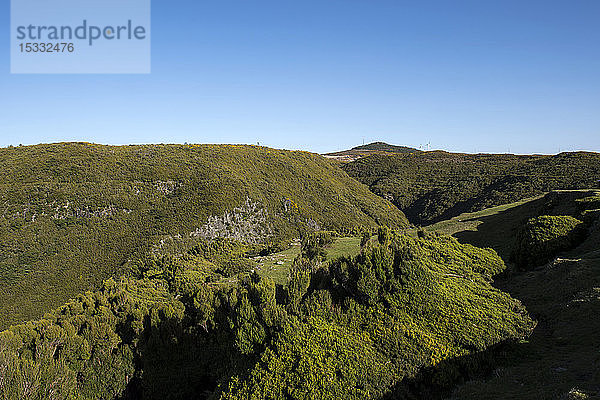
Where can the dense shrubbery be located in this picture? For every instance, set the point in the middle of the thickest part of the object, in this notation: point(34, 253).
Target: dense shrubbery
point(559, 360)
point(543, 237)
point(353, 328)
point(589, 208)
point(313, 245)
point(74, 214)
point(433, 186)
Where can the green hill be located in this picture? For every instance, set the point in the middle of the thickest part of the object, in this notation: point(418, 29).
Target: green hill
point(74, 214)
point(369, 149)
point(434, 186)
point(384, 147)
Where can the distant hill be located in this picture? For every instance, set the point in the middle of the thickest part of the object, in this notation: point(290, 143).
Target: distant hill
point(369, 149)
point(388, 148)
point(73, 214)
point(437, 185)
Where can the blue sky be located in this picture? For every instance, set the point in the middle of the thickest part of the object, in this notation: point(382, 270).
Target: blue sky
point(472, 76)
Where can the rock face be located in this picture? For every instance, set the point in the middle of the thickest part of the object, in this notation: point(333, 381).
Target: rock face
point(247, 223)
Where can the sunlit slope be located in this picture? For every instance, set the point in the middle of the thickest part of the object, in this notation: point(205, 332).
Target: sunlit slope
point(75, 213)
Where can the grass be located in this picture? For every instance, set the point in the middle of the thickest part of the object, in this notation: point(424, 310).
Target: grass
point(277, 266)
point(344, 246)
point(470, 221)
point(497, 227)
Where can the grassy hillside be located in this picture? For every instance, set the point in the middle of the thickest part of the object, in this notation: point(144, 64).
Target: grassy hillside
point(560, 359)
point(434, 186)
point(403, 309)
point(384, 147)
point(73, 214)
point(369, 149)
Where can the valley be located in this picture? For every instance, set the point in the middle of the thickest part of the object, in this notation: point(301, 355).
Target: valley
point(236, 272)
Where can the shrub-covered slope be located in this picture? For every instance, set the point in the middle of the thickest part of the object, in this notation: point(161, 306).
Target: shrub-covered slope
point(73, 214)
point(355, 328)
point(436, 185)
point(559, 360)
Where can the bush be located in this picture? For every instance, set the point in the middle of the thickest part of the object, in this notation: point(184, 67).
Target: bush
point(544, 237)
point(313, 245)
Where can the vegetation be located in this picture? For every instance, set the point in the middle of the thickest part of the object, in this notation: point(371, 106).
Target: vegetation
point(436, 185)
point(543, 237)
point(369, 149)
point(559, 360)
point(384, 147)
point(178, 331)
point(241, 272)
point(74, 214)
point(313, 245)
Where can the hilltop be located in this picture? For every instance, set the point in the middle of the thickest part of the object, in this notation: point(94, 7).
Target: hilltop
point(74, 214)
point(437, 185)
point(369, 149)
point(235, 272)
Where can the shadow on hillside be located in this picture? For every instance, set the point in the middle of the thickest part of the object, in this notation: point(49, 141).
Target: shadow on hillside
point(498, 231)
point(174, 362)
point(439, 381)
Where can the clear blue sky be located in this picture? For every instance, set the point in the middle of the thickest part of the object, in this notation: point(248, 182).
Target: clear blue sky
point(486, 76)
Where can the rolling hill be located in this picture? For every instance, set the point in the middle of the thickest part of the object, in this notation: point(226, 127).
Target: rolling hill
point(437, 185)
point(369, 149)
point(74, 214)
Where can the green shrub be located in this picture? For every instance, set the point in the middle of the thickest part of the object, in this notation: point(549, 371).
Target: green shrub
point(544, 237)
point(313, 245)
point(353, 328)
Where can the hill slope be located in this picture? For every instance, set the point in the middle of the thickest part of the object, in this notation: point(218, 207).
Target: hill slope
point(369, 149)
point(433, 186)
point(388, 148)
point(396, 310)
point(559, 360)
point(74, 214)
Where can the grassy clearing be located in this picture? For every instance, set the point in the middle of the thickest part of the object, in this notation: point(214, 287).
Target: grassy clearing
point(470, 221)
point(345, 246)
point(277, 266)
point(497, 227)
